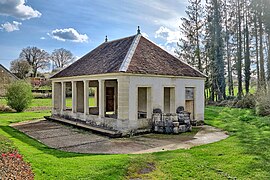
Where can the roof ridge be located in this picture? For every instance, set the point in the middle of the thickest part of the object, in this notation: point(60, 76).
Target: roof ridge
point(175, 57)
point(118, 39)
point(130, 53)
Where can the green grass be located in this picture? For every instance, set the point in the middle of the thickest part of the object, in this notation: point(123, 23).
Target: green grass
point(244, 155)
point(252, 90)
point(34, 103)
point(92, 102)
point(48, 102)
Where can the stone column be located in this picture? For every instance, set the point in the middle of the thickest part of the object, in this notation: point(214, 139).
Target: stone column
point(53, 98)
point(86, 97)
point(101, 98)
point(74, 96)
point(63, 98)
point(149, 103)
point(57, 95)
point(80, 96)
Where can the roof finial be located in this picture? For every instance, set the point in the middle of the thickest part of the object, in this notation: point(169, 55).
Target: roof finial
point(106, 38)
point(138, 30)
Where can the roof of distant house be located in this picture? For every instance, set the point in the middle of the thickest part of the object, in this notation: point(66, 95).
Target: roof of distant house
point(134, 54)
point(7, 71)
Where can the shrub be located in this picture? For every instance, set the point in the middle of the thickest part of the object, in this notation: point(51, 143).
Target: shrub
point(19, 95)
point(247, 101)
point(263, 104)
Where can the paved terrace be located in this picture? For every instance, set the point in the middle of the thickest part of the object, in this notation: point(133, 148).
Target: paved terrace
point(68, 138)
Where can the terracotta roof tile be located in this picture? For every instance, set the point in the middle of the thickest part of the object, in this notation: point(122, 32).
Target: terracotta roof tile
point(106, 58)
point(151, 59)
point(148, 58)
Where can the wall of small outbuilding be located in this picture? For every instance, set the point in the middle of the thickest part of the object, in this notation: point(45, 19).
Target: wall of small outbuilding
point(127, 98)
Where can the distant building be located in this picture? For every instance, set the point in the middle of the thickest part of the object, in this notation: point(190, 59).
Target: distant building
point(131, 76)
point(6, 77)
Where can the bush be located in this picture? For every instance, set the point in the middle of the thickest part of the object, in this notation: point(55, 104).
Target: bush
point(263, 104)
point(248, 101)
point(19, 95)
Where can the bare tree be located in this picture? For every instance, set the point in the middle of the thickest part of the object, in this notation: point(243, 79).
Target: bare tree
point(62, 57)
point(37, 58)
point(20, 67)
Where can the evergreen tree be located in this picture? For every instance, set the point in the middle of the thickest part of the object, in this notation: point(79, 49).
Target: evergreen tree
point(191, 29)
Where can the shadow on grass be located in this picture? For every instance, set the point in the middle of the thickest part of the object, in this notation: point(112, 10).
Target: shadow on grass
point(34, 143)
point(252, 131)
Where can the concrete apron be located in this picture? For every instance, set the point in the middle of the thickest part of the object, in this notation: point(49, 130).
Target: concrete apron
point(70, 139)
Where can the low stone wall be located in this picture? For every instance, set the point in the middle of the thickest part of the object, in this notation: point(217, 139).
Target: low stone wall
point(171, 123)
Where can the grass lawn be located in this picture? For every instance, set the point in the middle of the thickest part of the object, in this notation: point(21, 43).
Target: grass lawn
point(48, 102)
point(244, 155)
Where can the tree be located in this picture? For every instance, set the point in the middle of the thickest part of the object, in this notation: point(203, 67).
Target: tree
point(37, 58)
point(19, 95)
point(247, 48)
point(62, 57)
point(239, 49)
point(266, 18)
point(216, 52)
point(229, 29)
point(191, 29)
point(20, 67)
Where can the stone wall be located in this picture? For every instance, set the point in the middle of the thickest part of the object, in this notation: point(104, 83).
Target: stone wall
point(171, 123)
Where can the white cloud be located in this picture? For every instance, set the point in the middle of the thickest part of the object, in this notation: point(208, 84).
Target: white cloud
point(42, 38)
point(68, 34)
point(170, 36)
point(9, 27)
point(17, 9)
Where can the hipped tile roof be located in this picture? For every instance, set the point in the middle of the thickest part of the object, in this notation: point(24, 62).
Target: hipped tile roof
point(140, 57)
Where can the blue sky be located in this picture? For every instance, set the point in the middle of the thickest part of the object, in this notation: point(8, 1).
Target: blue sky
point(81, 25)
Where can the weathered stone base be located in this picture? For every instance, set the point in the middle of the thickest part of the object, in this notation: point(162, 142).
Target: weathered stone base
point(172, 123)
point(125, 127)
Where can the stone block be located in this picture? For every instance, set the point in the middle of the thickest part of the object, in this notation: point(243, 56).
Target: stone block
point(182, 128)
point(176, 130)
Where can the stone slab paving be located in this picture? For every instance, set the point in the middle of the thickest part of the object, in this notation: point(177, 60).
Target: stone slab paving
point(71, 139)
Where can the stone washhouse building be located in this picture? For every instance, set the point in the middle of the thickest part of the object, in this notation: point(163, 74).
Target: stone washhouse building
point(127, 78)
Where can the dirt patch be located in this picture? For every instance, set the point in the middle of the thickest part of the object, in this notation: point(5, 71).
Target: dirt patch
point(149, 168)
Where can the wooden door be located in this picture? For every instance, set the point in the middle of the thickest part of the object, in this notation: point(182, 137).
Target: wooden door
point(189, 105)
point(109, 99)
point(190, 108)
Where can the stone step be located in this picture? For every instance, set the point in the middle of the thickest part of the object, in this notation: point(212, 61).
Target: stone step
point(81, 124)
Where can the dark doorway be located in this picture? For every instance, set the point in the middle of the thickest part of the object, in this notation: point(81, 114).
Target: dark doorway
point(110, 99)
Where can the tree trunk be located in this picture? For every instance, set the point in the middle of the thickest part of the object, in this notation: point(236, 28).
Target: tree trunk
point(257, 52)
point(239, 53)
point(262, 71)
point(247, 58)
